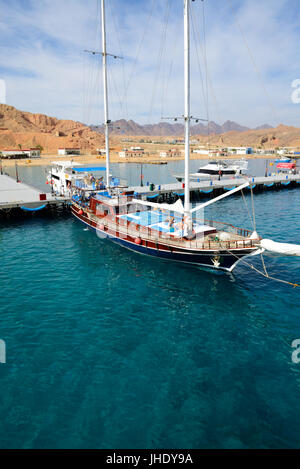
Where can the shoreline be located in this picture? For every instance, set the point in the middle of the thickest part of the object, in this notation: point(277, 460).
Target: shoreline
point(46, 160)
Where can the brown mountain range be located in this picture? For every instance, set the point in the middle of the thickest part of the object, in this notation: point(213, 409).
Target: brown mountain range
point(27, 130)
point(20, 129)
point(165, 129)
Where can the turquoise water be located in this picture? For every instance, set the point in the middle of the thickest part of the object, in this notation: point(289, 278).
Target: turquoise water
point(109, 349)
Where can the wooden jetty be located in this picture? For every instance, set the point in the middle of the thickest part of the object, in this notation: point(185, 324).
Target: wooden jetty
point(17, 195)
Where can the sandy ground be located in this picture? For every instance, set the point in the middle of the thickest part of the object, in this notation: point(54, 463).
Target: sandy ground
point(46, 160)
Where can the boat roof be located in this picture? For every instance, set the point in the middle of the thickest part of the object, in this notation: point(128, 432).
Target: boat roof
point(66, 164)
point(87, 169)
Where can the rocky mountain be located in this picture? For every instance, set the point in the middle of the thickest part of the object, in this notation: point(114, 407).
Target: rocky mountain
point(27, 130)
point(19, 129)
point(280, 136)
point(163, 129)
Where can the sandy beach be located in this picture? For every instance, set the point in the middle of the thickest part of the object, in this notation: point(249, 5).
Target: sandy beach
point(47, 159)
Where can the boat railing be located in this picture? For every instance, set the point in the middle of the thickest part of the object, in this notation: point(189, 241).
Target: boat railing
point(130, 228)
point(148, 234)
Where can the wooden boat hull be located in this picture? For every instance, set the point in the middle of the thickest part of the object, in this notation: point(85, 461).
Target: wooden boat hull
point(219, 260)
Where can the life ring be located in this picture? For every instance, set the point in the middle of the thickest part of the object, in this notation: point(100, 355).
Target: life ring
point(101, 227)
point(80, 212)
point(138, 241)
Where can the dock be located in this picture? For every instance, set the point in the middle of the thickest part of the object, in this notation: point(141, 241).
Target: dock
point(17, 195)
point(215, 187)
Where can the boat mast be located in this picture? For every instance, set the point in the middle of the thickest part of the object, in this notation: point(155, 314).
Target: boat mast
point(106, 119)
point(187, 106)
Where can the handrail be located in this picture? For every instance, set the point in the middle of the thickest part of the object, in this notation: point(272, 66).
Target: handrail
point(150, 234)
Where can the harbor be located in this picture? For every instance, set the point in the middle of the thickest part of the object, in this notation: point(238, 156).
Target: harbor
point(17, 197)
point(149, 298)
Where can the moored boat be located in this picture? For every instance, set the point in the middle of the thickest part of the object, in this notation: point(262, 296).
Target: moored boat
point(167, 231)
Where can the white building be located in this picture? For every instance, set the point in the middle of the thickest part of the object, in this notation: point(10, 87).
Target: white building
point(18, 154)
point(132, 153)
point(240, 150)
point(173, 153)
point(68, 151)
point(202, 151)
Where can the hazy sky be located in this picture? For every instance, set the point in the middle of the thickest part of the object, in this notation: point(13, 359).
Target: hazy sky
point(252, 49)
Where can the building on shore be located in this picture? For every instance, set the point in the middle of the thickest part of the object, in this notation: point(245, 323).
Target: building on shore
point(171, 153)
point(68, 151)
point(134, 152)
point(266, 151)
point(240, 150)
point(16, 154)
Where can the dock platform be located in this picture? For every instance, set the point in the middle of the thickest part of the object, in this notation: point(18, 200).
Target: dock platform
point(19, 197)
point(15, 194)
point(215, 187)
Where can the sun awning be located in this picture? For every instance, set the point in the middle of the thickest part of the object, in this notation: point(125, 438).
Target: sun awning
point(87, 169)
point(176, 207)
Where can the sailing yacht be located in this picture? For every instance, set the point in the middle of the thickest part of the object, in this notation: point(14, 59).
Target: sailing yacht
point(165, 231)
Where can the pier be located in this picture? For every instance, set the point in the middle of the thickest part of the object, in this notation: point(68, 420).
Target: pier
point(17, 197)
point(20, 196)
point(215, 187)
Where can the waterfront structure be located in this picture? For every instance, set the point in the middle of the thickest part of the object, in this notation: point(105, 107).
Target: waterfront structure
point(20, 154)
point(239, 150)
point(171, 153)
point(132, 153)
point(68, 151)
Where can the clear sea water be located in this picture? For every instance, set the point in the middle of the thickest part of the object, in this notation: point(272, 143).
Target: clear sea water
point(109, 349)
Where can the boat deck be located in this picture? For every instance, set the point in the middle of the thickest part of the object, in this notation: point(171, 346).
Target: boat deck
point(154, 226)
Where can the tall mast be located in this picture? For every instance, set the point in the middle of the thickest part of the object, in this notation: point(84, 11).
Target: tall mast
point(187, 106)
point(106, 119)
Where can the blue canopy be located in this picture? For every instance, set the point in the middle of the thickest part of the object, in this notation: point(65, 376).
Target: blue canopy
point(88, 169)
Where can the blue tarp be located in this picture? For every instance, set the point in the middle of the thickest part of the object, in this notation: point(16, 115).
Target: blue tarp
point(33, 209)
point(88, 169)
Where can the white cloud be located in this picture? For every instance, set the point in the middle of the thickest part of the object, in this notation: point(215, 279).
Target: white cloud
point(41, 49)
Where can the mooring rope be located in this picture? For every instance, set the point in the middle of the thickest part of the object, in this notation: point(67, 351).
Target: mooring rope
point(265, 273)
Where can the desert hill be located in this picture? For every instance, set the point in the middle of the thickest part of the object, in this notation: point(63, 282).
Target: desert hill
point(19, 129)
point(280, 136)
point(165, 129)
point(32, 130)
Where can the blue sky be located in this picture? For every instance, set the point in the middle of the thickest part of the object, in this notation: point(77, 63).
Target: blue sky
point(249, 73)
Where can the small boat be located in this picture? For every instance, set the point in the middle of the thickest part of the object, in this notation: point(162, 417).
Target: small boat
point(65, 176)
point(286, 166)
point(283, 159)
point(218, 168)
